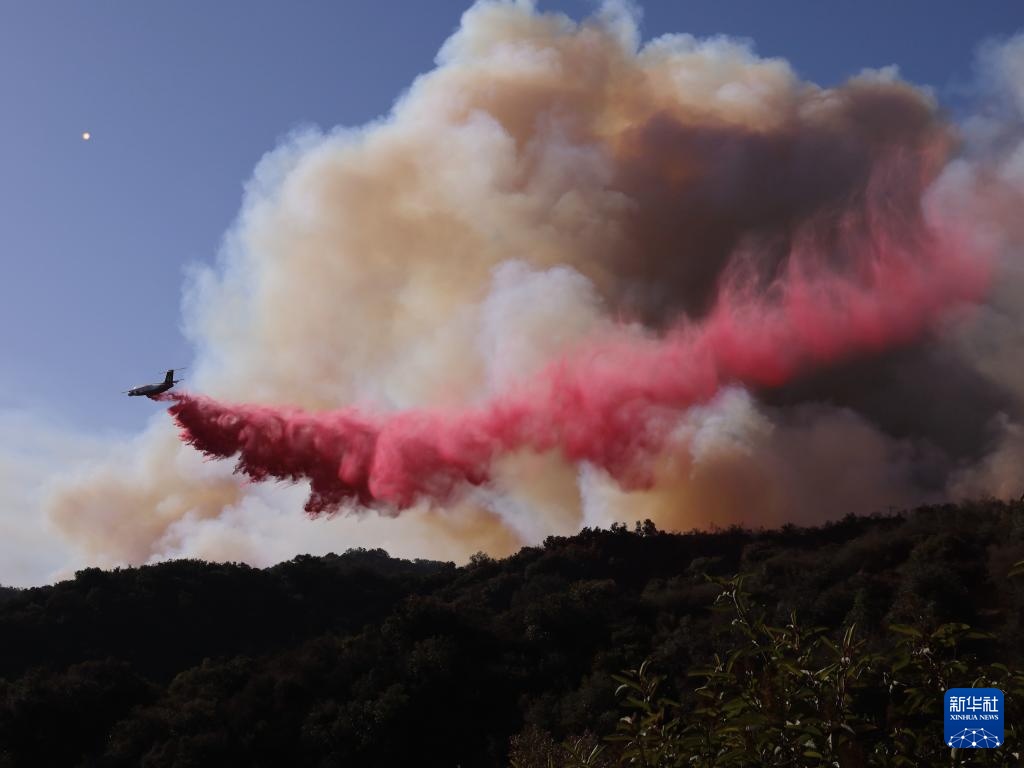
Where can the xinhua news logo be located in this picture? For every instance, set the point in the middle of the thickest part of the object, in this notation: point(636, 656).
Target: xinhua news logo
point(974, 718)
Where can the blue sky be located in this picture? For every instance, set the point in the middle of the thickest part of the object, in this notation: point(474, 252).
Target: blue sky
point(183, 98)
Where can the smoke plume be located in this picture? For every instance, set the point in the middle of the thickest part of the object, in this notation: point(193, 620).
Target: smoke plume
point(571, 279)
point(611, 405)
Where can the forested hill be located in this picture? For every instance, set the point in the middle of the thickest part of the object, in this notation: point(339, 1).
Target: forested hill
point(363, 659)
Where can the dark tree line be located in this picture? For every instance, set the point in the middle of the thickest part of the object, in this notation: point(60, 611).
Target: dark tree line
point(362, 659)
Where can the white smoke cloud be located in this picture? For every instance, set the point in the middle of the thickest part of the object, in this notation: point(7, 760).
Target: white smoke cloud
point(512, 205)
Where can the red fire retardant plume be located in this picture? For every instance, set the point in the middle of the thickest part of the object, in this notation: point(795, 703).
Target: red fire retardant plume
point(613, 403)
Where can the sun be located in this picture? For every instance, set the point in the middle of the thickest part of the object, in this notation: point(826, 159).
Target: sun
point(86, 135)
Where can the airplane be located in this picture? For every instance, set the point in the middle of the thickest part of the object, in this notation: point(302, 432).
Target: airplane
point(152, 390)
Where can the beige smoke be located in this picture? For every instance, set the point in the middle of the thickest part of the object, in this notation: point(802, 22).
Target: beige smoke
point(546, 182)
point(749, 467)
point(30, 551)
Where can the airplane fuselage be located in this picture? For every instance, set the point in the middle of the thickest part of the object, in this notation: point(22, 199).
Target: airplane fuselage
point(152, 390)
point(149, 390)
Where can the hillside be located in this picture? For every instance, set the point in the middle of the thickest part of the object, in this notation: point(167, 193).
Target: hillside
point(363, 659)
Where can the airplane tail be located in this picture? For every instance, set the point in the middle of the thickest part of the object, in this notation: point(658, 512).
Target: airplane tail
point(169, 378)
